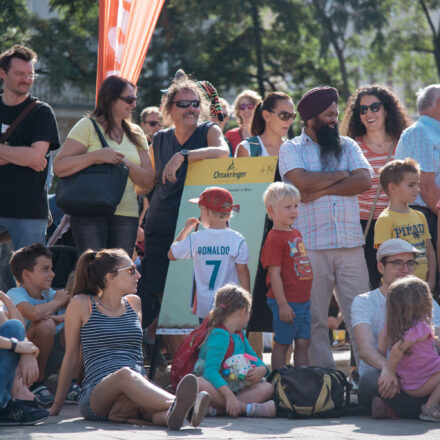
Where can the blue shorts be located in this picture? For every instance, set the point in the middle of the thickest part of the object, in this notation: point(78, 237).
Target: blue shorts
point(84, 406)
point(286, 332)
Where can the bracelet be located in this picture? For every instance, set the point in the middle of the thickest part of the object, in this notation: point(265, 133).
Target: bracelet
point(14, 343)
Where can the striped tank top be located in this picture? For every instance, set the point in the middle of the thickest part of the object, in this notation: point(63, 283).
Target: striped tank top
point(366, 199)
point(111, 343)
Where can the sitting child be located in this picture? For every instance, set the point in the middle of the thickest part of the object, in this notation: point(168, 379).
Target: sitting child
point(220, 254)
point(18, 364)
point(413, 362)
point(289, 276)
point(227, 320)
point(43, 310)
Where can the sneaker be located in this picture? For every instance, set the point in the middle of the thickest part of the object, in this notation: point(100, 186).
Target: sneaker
point(186, 394)
point(43, 394)
point(73, 393)
point(266, 409)
point(15, 413)
point(381, 410)
point(200, 409)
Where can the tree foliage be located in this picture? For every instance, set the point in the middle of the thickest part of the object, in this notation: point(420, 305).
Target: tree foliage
point(290, 45)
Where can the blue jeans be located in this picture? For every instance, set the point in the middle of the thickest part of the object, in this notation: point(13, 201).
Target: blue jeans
point(25, 231)
point(8, 359)
point(98, 233)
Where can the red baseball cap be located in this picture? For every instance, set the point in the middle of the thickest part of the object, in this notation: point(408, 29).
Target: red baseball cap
point(216, 199)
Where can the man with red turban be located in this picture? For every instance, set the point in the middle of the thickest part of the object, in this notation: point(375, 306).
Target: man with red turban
point(330, 171)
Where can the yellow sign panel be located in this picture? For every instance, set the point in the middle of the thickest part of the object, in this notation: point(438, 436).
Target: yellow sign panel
point(232, 170)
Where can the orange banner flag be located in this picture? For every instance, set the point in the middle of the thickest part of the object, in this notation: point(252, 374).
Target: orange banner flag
point(125, 30)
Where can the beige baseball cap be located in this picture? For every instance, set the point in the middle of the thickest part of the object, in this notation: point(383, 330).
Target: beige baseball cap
point(394, 246)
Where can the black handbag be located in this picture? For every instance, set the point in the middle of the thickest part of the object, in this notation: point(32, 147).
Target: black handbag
point(94, 191)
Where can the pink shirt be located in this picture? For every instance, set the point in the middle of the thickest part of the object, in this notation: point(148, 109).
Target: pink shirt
point(416, 368)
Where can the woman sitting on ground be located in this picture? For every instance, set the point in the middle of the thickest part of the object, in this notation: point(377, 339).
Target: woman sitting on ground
point(104, 316)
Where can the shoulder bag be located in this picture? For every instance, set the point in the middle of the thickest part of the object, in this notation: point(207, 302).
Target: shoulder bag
point(94, 191)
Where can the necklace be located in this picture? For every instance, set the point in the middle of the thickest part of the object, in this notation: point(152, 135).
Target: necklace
point(106, 308)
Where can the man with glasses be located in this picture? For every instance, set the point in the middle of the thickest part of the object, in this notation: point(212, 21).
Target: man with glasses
point(172, 150)
point(330, 171)
point(23, 149)
point(396, 258)
point(151, 122)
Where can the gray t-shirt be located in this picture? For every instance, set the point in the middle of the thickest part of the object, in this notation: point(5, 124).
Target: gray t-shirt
point(370, 308)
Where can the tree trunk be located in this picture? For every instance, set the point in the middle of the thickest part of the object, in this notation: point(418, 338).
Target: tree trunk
point(258, 53)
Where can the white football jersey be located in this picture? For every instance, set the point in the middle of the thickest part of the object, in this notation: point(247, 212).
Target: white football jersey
point(215, 252)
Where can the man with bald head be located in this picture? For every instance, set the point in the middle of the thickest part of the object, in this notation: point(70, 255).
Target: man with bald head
point(421, 141)
point(329, 170)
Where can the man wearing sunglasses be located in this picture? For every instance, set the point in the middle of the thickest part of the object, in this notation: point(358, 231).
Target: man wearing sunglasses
point(151, 122)
point(173, 149)
point(24, 150)
point(395, 259)
point(421, 142)
point(329, 170)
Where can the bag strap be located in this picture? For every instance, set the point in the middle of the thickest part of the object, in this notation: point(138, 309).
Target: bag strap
point(254, 146)
point(104, 143)
point(376, 198)
point(17, 120)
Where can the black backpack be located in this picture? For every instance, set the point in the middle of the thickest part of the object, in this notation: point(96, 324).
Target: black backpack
point(304, 392)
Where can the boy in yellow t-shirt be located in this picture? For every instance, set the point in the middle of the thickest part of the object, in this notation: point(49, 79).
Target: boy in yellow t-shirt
point(400, 179)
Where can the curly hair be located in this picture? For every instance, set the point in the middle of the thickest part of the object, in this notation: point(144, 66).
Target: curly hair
point(397, 118)
point(182, 83)
point(409, 300)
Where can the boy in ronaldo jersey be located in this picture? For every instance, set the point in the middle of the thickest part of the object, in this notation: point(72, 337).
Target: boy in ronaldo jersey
point(289, 276)
point(220, 254)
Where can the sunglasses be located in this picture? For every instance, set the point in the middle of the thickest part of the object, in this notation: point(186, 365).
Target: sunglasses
point(185, 103)
point(128, 99)
point(246, 106)
point(130, 269)
point(151, 123)
point(284, 116)
point(375, 107)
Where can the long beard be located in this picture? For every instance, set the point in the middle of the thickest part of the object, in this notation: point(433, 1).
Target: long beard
point(331, 146)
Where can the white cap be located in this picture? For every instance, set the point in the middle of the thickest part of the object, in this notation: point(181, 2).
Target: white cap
point(394, 246)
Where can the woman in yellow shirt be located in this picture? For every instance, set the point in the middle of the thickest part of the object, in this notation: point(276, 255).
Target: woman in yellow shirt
point(82, 148)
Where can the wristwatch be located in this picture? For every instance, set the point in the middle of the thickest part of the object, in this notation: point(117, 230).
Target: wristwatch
point(14, 343)
point(185, 153)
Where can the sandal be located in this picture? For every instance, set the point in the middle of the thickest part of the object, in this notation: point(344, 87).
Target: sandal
point(430, 413)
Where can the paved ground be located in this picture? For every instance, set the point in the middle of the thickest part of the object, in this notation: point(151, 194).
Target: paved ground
point(69, 426)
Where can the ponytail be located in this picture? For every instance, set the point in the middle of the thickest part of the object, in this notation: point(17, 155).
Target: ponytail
point(92, 267)
point(258, 124)
point(228, 299)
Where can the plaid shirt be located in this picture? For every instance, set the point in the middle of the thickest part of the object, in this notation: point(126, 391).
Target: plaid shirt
point(421, 141)
point(329, 222)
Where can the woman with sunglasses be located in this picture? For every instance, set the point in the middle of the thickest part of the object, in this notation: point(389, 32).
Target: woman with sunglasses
point(270, 123)
point(375, 118)
point(82, 148)
point(104, 318)
point(244, 106)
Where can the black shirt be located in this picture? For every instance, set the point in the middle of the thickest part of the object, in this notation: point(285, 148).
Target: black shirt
point(164, 205)
point(23, 192)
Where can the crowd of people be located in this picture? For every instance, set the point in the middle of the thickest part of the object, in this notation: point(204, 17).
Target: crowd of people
point(351, 214)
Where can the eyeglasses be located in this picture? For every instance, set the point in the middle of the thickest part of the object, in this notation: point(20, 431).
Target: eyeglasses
point(284, 116)
point(128, 99)
point(375, 107)
point(185, 103)
point(151, 123)
point(246, 106)
point(26, 75)
point(130, 269)
point(399, 264)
